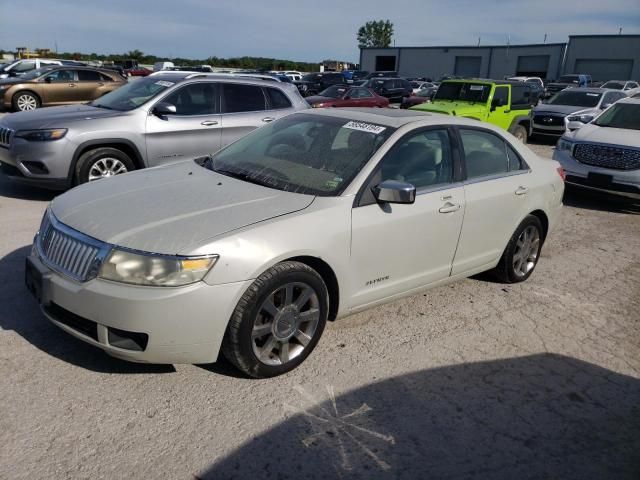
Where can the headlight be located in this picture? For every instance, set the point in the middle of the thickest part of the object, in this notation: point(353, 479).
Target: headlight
point(317, 105)
point(155, 270)
point(580, 118)
point(41, 135)
point(564, 145)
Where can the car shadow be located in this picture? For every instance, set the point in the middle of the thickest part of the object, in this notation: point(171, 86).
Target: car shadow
point(20, 312)
point(538, 417)
point(19, 191)
point(593, 200)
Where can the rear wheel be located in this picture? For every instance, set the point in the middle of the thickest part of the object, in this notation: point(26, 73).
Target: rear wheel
point(278, 321)
point(102, 163)
point(25, 101)
point(520, 257)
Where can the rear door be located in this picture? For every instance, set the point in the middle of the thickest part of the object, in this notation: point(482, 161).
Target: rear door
point(496, 195)
point(89, 83)
point(400, 247)
point(247, 107)
point(193, 131)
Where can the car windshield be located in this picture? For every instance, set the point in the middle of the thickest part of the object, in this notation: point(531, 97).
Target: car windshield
point(302, 153)
point(465, 91)
point(576, 98)
point(333, 92)
point(614, 85)
point(311, 77)
point(569, 79)
point(621, 115)
point(132, 94)
point(35, 73)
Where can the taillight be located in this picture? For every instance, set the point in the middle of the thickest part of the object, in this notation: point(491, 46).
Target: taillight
point(560, 171)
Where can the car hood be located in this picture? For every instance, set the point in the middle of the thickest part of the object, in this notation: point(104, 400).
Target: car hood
point(55, 117)
point(612, 136)
point(461, 109)
point(11, 80)
point(562, 109)
point(171, 209)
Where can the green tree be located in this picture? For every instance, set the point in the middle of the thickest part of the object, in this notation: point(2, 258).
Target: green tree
point(134, 54)
point(375, 34)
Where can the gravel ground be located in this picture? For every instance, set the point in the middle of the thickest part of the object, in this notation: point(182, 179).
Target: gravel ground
point(472, 380)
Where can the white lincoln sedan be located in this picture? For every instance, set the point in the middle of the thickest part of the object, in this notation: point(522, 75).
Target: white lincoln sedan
point(308, 219)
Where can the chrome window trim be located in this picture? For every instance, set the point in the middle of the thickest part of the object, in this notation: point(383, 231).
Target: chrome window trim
point(496, 176)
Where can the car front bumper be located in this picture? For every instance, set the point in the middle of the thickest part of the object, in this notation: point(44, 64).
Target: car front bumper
point(618, 182)
point(45, 164)
point(170, 325)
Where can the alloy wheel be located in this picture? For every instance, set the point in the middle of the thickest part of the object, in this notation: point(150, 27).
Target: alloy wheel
point(526, 252)
point(27, 102)
point(285, 323)
point(106, 167)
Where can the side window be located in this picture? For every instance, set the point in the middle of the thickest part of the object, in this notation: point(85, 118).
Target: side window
point(194, 99)
point(277, 98)
point(25, 66)
point(105, 78)
point(62, 76)
point(502, 94)
point(243, 98)
point(519, 99)
point(88, 76)
point(485, 153)
point(422, 159)
point(360, 93)
point(515, 161)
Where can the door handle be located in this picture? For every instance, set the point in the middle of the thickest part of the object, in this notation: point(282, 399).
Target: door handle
point(521, 190)
point(209, 123)
point(450, 207)
point(72, 84)
point(268, 119)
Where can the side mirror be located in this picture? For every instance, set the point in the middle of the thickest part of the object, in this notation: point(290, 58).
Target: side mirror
point(392, 191)
point(347, 97)
point(48, 80)
point(164, 108)
point(497, 102)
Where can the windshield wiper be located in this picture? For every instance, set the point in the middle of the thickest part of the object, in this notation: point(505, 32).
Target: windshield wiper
point(97, 105)
point(245, 176)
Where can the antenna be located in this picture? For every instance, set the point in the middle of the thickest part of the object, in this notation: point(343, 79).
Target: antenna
point(479, 41)
point(545, 38)
point(620, 31)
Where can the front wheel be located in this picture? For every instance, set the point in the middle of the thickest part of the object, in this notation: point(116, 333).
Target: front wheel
point(102, 163)
point(520, 133)
point(278, 321)
point(523, 250)
point(25, 101)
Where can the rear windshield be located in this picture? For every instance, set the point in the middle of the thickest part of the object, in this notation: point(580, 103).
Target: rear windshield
point(333, 92)
point(614, 85)
point(465, 91)
point(576, 98)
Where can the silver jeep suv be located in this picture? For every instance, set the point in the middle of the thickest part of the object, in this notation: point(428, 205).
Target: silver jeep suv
point(162, 118)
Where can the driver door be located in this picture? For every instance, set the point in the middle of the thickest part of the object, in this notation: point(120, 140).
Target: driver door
point(397, 248)
point(193, 131)
point(500, 107)
point(61, 86)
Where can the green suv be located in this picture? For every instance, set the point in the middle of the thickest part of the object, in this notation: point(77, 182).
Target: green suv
point(506, 104)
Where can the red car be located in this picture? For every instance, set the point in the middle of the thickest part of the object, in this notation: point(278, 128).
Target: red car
point(138, 72)
point(423, 96)
point(347, 96)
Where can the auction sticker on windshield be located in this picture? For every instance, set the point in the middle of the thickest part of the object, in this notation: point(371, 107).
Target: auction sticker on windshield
point(164, 83)
point(365, 127)
point(477, 87)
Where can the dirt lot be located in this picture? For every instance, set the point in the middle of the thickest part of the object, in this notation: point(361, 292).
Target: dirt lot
point(472, 380)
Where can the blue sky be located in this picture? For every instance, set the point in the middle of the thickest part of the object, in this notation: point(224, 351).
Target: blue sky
point(299, 30)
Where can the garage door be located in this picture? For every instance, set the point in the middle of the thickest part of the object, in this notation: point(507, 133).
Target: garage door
point(468, 66)
point(602, 69)
point(533, 66)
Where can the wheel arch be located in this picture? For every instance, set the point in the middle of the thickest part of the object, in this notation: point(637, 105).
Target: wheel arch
point(544, 220)
point(126, 146)
point(26, 90)
point(520, 120)
point(328, 276)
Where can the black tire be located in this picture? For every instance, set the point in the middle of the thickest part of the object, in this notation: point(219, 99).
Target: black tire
point(238, 346)
point(88, 159)
point(505, 271)
point(520, 133)
point(17, 104)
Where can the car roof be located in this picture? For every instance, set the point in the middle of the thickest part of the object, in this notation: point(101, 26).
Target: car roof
point(590, 90)
point(390, 117)
point(179, 76)
point(634, 100)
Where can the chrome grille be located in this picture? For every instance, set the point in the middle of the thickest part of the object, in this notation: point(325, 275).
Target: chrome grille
point(66, 251)
point(5, 136)
point(605, 156)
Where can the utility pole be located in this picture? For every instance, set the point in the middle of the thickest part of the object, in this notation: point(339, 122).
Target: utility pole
point(479, 41)
point(545, 38)
point(620, 31)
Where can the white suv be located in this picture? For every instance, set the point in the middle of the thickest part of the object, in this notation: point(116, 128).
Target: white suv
point(20, 67)
point(605, 154)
